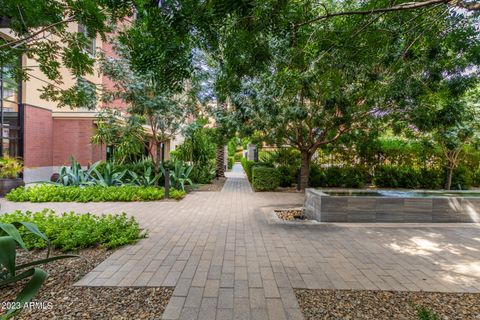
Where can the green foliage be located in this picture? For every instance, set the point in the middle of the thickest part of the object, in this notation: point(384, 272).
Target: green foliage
point(395, 177)
point(179, 175)
point(203, 173)
point(287, 175)
point(338, 177)
point(247, 167)
point(200, 150)
point(71, 231)
point(110, 176)
point(462, 178)
point(147, 178)
point(426, 314)
point(10, 167)
point(54, 193)
point(388, 176)
point(238, 156)
point(430, 178)
point(265, 178)
point(125, 133)
point(74, 175)
point(232, 146)
point(231, 161)
point(281, 157)
point(13, 273)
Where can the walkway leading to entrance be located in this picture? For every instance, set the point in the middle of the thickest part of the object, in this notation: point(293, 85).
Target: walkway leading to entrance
point(226, 262)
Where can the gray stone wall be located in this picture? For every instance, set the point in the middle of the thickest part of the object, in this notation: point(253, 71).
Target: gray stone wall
point(321, 207)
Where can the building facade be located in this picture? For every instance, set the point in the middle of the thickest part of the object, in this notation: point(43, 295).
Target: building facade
point(42, 134)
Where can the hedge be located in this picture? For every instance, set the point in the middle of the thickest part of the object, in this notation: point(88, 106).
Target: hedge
point(247, 166)
point(265, 178)
point(56, 193)
point(412, 178)
point(338, 177)
point(231, 161)
point(287, 175)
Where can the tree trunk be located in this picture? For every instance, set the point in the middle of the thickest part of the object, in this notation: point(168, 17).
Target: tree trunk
point(448, 184)
point(304, 169)
point(220, 167)
point(158, 150)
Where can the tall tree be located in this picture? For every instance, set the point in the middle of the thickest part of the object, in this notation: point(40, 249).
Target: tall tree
point(42, 31)
point(164, 110)
point(321, 80)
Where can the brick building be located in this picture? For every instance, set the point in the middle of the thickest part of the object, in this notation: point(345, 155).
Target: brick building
point(44, 135)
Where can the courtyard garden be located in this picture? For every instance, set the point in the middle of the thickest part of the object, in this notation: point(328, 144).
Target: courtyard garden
point(242, 159)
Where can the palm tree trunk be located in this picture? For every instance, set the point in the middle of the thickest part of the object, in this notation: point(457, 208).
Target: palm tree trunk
point(220, 167)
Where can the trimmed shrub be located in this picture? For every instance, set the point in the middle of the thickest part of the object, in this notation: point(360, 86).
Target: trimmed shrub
point(247, 166)
point(431, 178)
point(232, 146)
point(231, 161)
point(55, 193)
point(338, 177)
point(388, 176)
point(265, 178)
point(70, 231)
point(462, 178)
point(476, 178)
point(286, 175)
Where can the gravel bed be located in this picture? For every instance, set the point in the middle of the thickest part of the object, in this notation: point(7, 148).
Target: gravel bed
point(62, 300)
point(290, 215)
point(366, 304)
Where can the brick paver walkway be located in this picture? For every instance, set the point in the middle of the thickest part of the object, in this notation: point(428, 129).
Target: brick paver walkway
point(227, 262)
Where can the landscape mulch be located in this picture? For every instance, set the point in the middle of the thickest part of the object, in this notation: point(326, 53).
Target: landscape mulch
point(367, 304)
point(215, 185)
point(59, 299)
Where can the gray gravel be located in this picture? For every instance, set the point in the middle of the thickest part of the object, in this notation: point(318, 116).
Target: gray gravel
point(69, 302)
point(364, 304)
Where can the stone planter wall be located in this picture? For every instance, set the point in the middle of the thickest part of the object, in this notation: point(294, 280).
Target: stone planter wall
point(324, 208)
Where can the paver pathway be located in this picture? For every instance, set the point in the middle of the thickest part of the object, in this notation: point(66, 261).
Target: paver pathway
point(227, 262)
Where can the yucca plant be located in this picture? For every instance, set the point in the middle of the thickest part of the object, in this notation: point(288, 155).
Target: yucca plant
point(11, 272)
point(74, 175)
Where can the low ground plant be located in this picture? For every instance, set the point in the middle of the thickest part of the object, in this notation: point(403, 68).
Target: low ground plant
point(71, 231)
point(56, 193)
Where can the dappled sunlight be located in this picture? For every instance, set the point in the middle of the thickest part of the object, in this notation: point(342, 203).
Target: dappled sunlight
point(422, 246)
point(470, 268)
point(465, 273)
point(452, 258)
point(470, 209)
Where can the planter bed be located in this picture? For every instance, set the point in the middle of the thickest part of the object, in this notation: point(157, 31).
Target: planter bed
point(72, 302)
point(55, 193)
point(366, 304)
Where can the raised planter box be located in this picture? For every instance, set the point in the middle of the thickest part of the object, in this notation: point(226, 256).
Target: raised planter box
point(432, 206)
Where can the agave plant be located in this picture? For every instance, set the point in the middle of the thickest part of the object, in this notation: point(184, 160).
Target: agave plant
point(146, 179)
point(179, 176)
point(74, 175)
point(110, 176)
point(11, 272)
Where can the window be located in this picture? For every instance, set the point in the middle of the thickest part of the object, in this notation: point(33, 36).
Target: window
point(9, 116)
point(91, 47)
